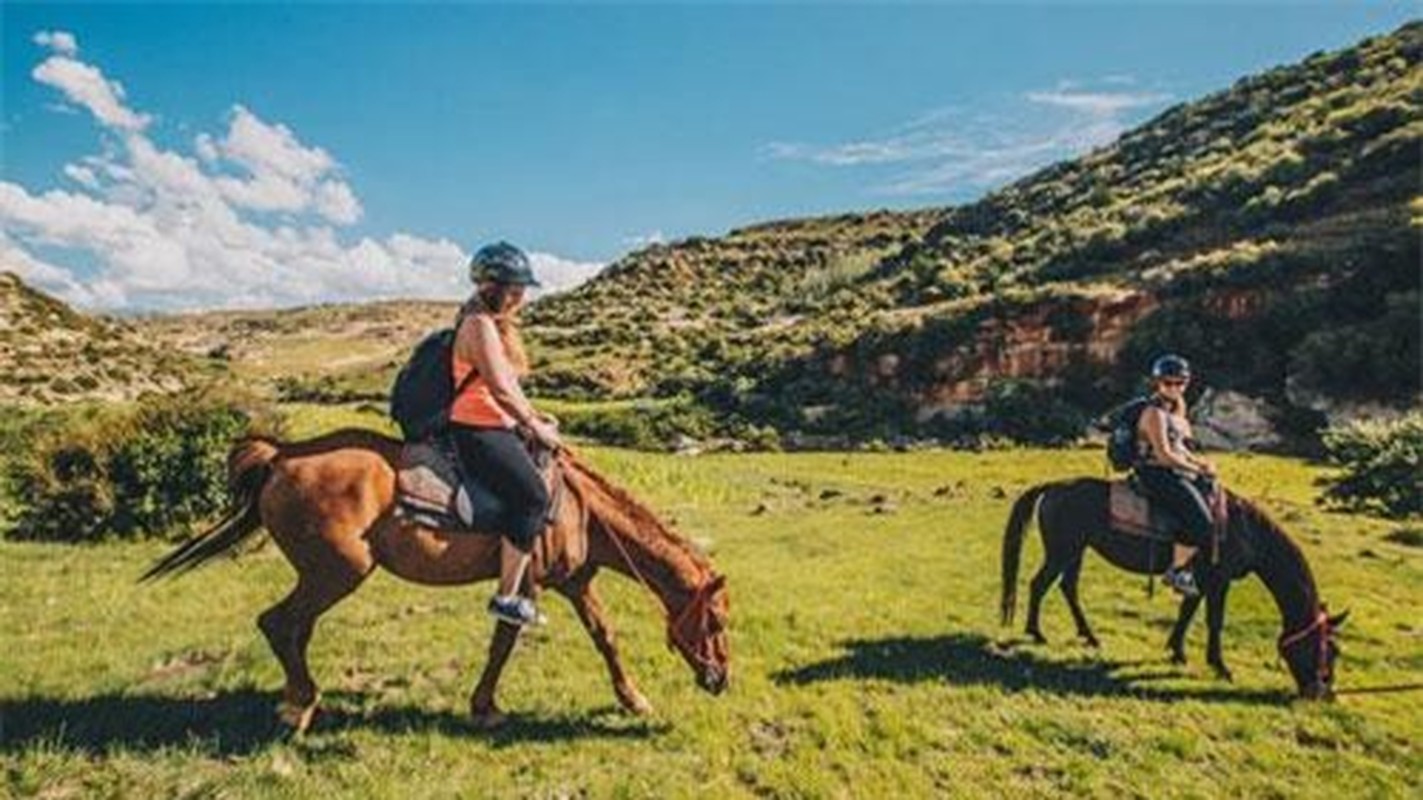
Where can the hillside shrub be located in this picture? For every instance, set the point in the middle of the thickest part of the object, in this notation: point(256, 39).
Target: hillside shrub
point(1381, 466)
point(141, 471)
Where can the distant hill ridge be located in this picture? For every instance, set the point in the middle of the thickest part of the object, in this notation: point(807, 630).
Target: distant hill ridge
point(50, 353)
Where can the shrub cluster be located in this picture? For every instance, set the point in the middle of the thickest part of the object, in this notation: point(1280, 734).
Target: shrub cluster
point(1381, 466)
point(146, 470)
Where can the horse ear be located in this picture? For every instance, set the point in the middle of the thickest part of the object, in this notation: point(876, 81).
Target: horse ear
point(717, 583)
point(1339, 619)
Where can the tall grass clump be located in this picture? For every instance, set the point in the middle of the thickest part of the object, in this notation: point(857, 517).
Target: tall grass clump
point(1381, 466)
point(149, 469)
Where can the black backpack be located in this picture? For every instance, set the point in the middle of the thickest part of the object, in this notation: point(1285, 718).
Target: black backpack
point(425, 389)
point(1122, 451)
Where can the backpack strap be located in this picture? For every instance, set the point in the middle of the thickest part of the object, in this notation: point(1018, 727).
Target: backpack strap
point(473, 371)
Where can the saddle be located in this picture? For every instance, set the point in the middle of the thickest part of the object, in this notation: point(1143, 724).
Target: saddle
point(433, 490)
point(1130, 510)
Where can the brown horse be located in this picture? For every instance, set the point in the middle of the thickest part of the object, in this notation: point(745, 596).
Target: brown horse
point(329, 504)
point(1073, 515)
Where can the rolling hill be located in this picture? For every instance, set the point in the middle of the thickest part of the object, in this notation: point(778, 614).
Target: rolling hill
point(1268, 231)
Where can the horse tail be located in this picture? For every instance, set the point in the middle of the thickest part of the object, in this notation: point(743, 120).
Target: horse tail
point(1013, 535)
point(249, 466)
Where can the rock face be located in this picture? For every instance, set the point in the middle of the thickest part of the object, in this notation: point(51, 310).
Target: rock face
point(1038, 344)
point(1226, 420)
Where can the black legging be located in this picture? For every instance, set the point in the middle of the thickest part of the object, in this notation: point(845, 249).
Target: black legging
point(1183, 496)
point(498, 456)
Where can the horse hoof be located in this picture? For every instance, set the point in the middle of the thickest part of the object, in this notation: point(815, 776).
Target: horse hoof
point(1223, 674)
point(1037, 638)
point(295, 718)
point(1179, 659)
point(1091, 641)
point(489, 719)
point(637, 705)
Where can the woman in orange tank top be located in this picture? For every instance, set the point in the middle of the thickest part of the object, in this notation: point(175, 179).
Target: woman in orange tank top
point(489, 410)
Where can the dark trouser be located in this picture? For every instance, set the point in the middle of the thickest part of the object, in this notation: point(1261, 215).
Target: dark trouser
point(1182, 495)
point(498, 457)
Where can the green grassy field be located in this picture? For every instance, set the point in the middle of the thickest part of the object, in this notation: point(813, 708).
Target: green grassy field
point(867, 661)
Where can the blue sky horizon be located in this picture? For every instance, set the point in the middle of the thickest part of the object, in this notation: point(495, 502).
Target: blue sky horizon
point(180, 156)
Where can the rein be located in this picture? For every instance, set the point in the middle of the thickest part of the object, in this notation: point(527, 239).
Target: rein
point(1321, 624)
point(697, 603)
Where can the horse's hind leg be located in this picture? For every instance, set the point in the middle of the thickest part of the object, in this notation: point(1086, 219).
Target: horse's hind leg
point(1052, 567)
point(288, 626)
point(1069, 591)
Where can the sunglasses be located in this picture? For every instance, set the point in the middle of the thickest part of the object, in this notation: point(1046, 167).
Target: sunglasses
point(1175, 381)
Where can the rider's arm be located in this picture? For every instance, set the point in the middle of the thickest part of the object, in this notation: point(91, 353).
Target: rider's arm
point(1153, 424)
point(478, 342)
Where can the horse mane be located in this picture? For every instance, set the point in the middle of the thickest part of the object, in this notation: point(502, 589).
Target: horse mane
point(646, 527)
point(1254, 516)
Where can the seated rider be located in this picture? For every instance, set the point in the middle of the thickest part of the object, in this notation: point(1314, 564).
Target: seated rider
point(1171, 474)
point(487, 413)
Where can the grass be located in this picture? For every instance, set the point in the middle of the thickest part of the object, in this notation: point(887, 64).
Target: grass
point(867, 661)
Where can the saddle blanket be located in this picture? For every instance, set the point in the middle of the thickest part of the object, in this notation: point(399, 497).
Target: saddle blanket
point(432, 490)
point(1130, 511)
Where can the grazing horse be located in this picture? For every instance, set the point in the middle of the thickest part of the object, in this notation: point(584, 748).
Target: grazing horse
point(329, 503)
point(1073, 515)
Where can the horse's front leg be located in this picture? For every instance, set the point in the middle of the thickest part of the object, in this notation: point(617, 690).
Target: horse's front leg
point(1215, 619)
point(1177, 643)
point(481, 704)
point(590, 609)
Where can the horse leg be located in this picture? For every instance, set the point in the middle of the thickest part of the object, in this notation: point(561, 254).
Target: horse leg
point(1215, 620)
point(1051, 568)
point(482, 707)
point(1177, 643)
point(288, 626)
point(1069, 591)
point(590, 610)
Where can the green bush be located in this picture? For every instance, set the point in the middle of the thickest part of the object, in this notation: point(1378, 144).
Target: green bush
point(148, 470)
point(1381, 466)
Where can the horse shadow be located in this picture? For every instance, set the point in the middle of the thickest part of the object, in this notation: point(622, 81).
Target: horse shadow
point(974, 660)
point(242, 721)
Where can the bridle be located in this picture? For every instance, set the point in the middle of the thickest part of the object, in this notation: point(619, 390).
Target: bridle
point(1321, 624)
point(700, 604)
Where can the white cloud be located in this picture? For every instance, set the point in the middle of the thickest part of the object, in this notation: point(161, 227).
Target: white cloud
point(646, 239)
point(955, 149)
point(244, 220)
point(85, 85)
point(59, 41)
point(560, 274)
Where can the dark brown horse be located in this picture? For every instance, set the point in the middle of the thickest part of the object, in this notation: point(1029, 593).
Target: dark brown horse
point(1073, 516)
point(329, 504)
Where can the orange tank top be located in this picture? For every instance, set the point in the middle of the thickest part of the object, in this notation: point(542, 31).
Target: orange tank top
point(476, 405)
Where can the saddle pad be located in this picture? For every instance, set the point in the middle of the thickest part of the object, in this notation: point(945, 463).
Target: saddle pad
point(432, 491)
point(1130, 512)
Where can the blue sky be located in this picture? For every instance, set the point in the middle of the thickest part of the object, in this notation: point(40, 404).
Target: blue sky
point(184, 155)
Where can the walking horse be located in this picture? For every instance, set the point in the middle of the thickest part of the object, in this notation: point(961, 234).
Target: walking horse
point(1074, 515)
point(329, 503)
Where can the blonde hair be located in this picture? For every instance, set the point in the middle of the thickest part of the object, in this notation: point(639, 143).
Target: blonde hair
point(492, 299)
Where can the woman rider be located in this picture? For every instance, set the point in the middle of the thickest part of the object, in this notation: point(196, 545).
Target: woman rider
point(1172, 475)
point(486, 415)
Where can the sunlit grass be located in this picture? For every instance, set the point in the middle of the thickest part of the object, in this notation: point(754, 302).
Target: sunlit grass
point(864, 628)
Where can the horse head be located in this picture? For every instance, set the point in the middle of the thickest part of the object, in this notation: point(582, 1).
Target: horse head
point(1311, 652)
point(698, 632)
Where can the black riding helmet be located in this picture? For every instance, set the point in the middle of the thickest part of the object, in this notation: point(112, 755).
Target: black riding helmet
point(1170, 366)
point(502, 262)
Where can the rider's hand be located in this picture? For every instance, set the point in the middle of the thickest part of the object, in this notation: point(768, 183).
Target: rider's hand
point(1206, 467)
point(546, 434)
